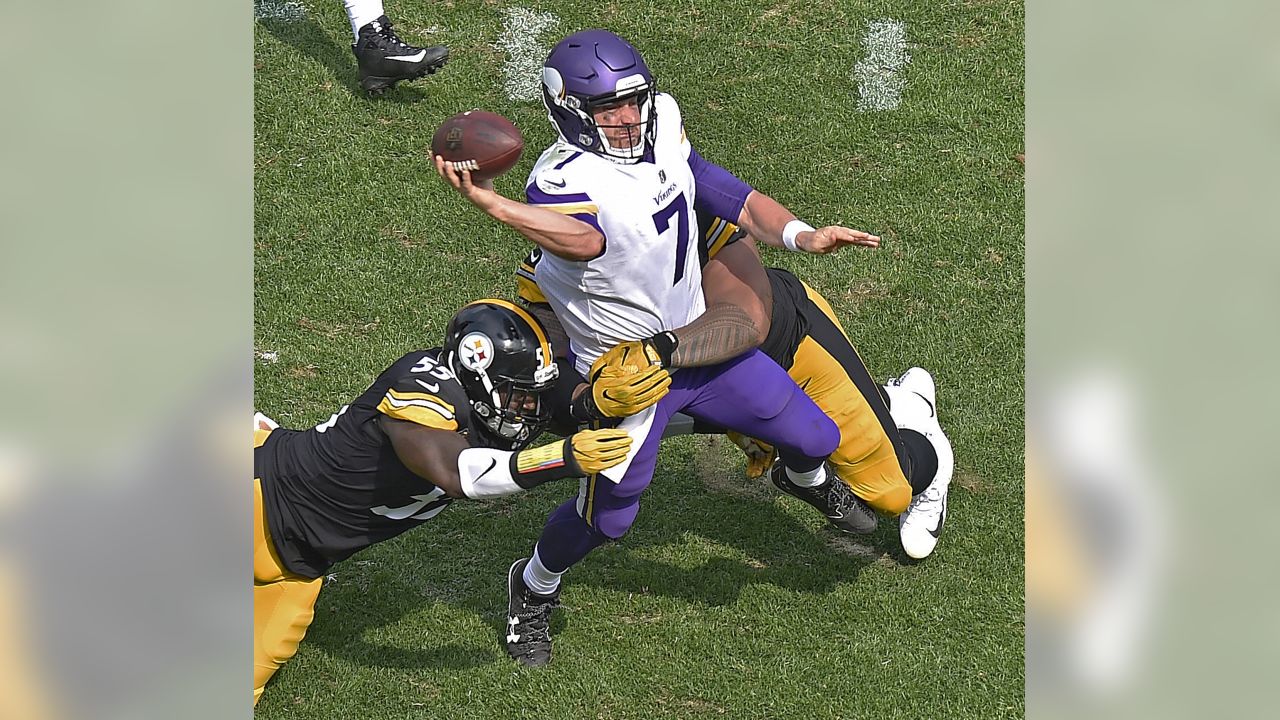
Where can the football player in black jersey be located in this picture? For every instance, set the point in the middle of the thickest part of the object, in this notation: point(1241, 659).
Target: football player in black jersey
point(893, 455)
point(451, 422)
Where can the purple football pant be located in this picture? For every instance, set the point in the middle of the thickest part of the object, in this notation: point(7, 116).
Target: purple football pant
point(749, 394)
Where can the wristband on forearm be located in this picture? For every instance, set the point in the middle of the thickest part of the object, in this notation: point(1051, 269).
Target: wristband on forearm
point(534, 466)
point(791, 230)
point(583, 408)
point(665, 343)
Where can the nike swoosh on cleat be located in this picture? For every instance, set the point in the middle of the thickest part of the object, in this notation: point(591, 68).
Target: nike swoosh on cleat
point(932, 411)
point(560, 184)
point(936, 532)
point(416, 57)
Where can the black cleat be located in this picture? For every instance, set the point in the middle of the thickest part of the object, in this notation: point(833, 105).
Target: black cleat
point(528, 636)
point(844, 510)
point(385, 59)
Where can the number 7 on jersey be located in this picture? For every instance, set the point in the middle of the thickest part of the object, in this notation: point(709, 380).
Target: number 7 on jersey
point(662, 221)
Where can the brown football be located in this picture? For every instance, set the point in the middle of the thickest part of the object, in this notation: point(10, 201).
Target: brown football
point(487, 143)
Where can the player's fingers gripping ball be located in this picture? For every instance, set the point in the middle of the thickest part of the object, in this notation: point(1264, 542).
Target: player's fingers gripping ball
point(619, 393)
point(597, 450)
point(482, 143)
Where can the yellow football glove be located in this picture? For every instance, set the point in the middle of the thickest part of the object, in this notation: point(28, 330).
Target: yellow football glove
point(618, 394)
point(759, 455)
point(596, 450)
point(627, 357)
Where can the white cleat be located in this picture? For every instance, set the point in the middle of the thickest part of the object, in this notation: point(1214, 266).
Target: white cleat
point(913, 407)
point(919, 381)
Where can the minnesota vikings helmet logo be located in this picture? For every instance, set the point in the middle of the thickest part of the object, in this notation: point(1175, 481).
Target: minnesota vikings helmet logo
point(475, 352)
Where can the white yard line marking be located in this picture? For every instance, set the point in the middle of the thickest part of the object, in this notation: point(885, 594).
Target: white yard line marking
point(879, 72)
point(287, 10)
point(522, 72)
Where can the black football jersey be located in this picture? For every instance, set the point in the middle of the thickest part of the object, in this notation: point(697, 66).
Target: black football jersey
point(789, 319)
point(339, 487)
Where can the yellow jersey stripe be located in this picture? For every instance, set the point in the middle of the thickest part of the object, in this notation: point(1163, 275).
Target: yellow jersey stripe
point(529, 291)
point(400, 399)
point(427, 417)
point(572, 208)
point(725, 234)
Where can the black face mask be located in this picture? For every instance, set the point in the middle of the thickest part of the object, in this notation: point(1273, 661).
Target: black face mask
point(517, 425)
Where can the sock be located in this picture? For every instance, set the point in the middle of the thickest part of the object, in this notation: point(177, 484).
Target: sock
point(924, 460)
point(361, 13)
point(566, 538)
point(812, 478)
point(538, 578)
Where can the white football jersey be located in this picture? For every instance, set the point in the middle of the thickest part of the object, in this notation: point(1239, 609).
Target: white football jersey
point(649, 278)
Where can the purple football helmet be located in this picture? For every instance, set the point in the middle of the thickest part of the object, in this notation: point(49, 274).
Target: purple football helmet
point(593, 69)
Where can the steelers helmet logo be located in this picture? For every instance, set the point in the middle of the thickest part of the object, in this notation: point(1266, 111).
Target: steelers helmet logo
point(475, 352)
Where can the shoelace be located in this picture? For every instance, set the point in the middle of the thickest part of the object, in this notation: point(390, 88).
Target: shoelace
point(386, 39)
point(840, 498)
point(927, 499)
point(533, 622)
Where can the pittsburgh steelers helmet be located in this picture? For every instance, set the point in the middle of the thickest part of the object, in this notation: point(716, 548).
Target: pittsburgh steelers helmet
point(503, 359)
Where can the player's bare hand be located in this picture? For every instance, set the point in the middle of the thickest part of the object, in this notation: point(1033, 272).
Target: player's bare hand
point(833, 237)
point(477, 191)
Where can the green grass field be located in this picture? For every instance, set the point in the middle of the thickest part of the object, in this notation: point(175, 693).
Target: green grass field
point(726, 600)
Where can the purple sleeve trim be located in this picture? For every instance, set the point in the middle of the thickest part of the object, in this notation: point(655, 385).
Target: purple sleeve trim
point(719, 191)
point(538, 197)
point(567, 160)
point(589, 219)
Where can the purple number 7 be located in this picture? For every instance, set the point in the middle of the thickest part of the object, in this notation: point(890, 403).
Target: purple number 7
point(662, 221)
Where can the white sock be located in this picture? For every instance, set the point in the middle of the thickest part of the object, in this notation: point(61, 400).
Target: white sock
point(813, 478)
point(538, 578)
point(361, 13)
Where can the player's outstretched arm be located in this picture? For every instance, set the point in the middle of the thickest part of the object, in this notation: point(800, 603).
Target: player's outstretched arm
point(771, 223)
point(429, 453)
point(446, 459)
point(558, 234)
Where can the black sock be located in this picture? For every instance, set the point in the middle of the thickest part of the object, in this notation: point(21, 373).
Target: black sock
point(924, 460)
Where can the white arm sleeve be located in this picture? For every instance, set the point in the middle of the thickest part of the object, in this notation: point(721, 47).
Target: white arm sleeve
point(486, 473)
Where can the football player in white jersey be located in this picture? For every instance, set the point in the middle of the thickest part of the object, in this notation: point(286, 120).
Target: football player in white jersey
point(612, 205)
